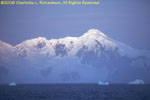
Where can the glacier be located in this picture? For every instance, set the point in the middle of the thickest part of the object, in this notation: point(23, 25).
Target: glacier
point(85, 59)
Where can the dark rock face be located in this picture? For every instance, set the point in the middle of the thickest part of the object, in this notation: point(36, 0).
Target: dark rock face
point(40, 45)
point(60, 49)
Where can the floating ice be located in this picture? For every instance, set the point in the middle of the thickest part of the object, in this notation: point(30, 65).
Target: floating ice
point(137, 81)
point(101, 83)
point(12, 84)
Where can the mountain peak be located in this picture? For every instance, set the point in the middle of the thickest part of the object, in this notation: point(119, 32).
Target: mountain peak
point(39, 39)
point(95, 32)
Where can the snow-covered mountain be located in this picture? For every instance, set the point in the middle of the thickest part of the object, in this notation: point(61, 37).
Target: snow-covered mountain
point(88, 58)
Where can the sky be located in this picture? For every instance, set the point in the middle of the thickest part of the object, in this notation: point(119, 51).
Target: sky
point(127, 21)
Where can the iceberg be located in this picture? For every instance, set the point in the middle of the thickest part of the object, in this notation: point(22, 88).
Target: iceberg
point(101, 83)
point(12, 84)
point(137, 81)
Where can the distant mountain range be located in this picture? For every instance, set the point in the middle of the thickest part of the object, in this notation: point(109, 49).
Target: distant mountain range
point(90, 58)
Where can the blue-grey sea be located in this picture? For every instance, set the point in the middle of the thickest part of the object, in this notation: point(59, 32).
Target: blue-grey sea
point(74, 92)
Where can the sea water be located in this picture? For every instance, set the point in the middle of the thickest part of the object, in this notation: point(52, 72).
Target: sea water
point(74, 92)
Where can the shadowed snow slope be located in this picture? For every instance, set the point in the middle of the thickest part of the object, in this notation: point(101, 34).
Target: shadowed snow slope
point(88, 58)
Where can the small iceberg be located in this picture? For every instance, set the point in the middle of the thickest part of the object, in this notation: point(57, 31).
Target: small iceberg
point(12, 84)
point(137, 81)
point(101, 83)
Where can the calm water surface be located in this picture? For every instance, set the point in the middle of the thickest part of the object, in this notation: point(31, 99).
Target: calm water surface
point(74, 92)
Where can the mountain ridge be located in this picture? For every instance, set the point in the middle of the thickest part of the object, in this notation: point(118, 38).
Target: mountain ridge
point(64, 60)
point(88, 39)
